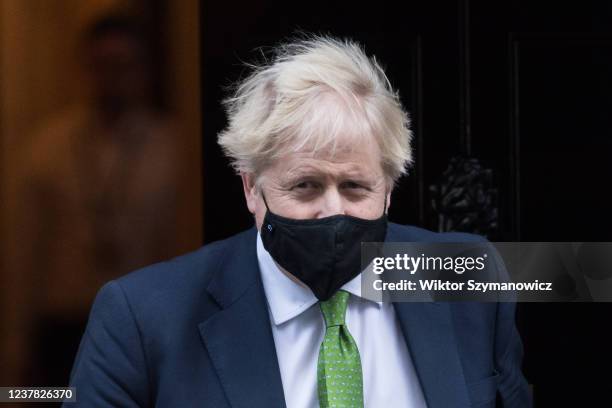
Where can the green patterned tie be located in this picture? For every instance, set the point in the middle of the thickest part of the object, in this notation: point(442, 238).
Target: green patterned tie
point(339, 375)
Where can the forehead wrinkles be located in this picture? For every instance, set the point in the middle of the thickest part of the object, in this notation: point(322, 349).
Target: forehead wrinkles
point(323, 168)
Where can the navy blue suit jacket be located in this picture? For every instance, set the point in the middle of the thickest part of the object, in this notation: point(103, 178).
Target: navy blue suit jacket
point(195, 332)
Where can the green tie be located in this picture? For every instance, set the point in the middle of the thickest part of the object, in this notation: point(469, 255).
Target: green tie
point(339, 369)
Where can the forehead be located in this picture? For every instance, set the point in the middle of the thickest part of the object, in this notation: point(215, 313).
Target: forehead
point(346, 158)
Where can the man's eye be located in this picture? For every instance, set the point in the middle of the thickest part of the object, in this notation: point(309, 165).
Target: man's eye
point(352, 185)
point(305, 185)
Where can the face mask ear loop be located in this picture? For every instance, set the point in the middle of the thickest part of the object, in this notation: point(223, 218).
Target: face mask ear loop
point(385, 205)
point(265, 202)
point(269, 226)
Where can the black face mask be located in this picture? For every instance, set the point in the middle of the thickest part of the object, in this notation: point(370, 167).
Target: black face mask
point(322, 253)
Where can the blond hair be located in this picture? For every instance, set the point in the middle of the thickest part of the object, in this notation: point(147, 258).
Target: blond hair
point(313, 93)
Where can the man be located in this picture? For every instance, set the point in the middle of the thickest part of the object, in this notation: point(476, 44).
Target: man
point(274, 317)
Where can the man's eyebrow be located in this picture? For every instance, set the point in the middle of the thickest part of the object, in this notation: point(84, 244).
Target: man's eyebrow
point(301, 174)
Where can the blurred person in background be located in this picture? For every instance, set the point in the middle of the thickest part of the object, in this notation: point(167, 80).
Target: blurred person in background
point(100, 194)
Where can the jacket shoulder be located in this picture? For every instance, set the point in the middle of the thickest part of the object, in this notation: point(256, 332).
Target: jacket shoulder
point(187, 275)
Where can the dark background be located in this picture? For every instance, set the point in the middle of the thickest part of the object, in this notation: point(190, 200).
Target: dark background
point(524, 87)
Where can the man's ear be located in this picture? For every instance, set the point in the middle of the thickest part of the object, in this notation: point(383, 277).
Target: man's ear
point(250, 191)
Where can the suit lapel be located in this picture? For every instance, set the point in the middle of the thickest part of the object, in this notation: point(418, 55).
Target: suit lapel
point(430, 337)
point(239, 337)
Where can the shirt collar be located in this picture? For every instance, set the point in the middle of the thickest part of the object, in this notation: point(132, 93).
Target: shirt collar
point(287, 298)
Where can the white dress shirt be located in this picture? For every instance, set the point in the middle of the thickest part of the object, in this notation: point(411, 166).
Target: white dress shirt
point(389, 377)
